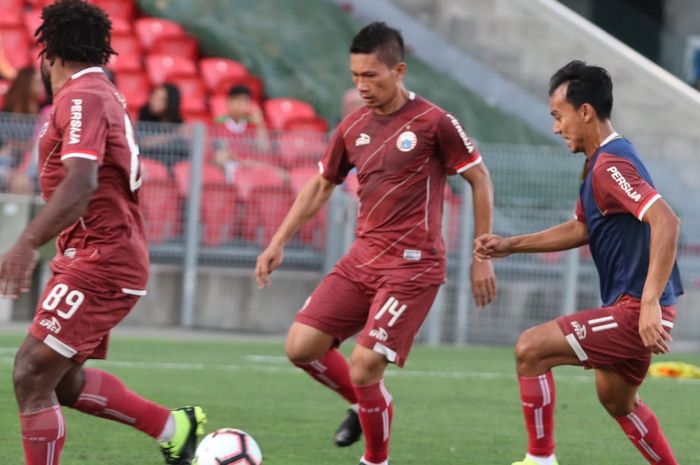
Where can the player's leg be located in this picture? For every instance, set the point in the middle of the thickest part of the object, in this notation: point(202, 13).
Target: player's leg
point(620, 399)
point(537, 351)
point(36, 373)
point(396, 315)
point(376, 408)
point(336, 310)
point(73, 325)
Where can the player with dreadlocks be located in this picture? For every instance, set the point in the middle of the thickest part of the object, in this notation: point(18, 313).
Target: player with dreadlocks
point(90, 179)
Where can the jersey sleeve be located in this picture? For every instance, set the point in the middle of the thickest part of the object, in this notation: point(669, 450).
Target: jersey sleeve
point(457, 150)
point(619, 188)
point(81, 121)
point(334, 166)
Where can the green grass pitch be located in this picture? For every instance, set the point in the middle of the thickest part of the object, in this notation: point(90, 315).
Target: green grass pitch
point(453, 406)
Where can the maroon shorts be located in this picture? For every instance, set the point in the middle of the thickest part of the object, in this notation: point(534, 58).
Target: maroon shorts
point(387, 315)
point(609, 338)
point(75, 320)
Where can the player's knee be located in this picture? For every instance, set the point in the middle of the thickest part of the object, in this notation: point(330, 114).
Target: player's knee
point(366, 369)
point(301, 351)
point(616, 406)
point(26, 375)
point(526, 352)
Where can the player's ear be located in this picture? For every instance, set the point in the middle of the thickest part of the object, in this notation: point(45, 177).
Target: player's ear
point(587, 112)
point(400, 70)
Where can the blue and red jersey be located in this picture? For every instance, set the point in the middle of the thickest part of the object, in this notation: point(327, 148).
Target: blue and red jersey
point(616, 192)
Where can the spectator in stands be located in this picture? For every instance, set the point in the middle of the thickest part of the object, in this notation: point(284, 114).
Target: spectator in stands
point(229, 163)
point(352, 100)
point(244, 122)
point(166, 144)
point(163, 105)
point(26, 95)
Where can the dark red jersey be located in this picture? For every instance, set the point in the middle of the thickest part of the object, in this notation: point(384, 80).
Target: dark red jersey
point(106, 247)
point(402, 162)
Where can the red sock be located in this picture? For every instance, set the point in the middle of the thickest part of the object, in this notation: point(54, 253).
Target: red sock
point(332, 371)
point(43, 436)
point(537, 396)
point(105, 396)
point(642, 428)
point(376, 413)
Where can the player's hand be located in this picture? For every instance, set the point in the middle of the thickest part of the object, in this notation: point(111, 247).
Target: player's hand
point(16, 268)
point(268, 261)
point(483, 282)
point(652, 332)
point(488, 246)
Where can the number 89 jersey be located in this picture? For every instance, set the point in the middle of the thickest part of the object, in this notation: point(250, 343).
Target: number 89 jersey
point(107, 247)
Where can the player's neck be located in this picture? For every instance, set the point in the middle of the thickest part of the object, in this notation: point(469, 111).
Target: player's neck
point(395, 104)
point(601, 132)
point(60, 74)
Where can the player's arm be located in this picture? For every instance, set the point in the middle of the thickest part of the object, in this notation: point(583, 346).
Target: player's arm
point(67, 204)
point(665, 227)
point(564, 236)
point(312, 197)
point(482, 274)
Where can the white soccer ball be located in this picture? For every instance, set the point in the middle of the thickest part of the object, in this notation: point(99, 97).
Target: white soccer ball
point(228, 446)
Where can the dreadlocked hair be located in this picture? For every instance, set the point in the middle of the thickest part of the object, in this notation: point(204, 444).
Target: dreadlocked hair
point(73, 30)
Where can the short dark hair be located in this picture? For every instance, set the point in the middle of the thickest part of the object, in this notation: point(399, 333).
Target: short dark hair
point(239, 89)
point(73, 30)
point(587, 84)
point(377, 37)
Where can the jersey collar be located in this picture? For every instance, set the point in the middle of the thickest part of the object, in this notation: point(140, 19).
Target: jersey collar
point(614, 135)
point(82, 72)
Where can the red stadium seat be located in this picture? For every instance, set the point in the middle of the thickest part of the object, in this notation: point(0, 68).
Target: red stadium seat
point(248, 178)
point(125, 62)
point(153, 170)
point(11, 12)
point(280, 110)
point(161, 207)
point(126, 44)
point(298, 177)
point(217, 71)
point(218, 104)
point(266, 208)
point(196, 117)
point(32, 21)
point(135, 87)
point(123, 9)
point(16, 44)
point(211, 174)
point(176, 45)
point(298, 148)
point(149, 29)
point(306, 123)
point(193, 97)
point(162, 68)
point(219, 214)
point(121, 26)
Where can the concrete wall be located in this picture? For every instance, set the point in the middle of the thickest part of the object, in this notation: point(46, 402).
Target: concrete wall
point(527, 40)
point(228, 299)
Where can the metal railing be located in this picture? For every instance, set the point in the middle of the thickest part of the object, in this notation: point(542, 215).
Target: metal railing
point(212, 198)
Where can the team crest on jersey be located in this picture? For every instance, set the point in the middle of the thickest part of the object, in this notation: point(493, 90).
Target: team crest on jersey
point(407, 141)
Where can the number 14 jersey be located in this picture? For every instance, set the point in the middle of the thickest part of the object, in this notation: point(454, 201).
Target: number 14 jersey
point(106, 247)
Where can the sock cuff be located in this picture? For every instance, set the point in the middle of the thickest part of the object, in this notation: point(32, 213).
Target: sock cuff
point(548, 376)
point(641, 413)
point(373, 393)
point(46, 424)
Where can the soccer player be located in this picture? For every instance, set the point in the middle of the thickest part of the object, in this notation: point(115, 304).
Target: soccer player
point(90, 178)
point(403, 147)
point(633, 235)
